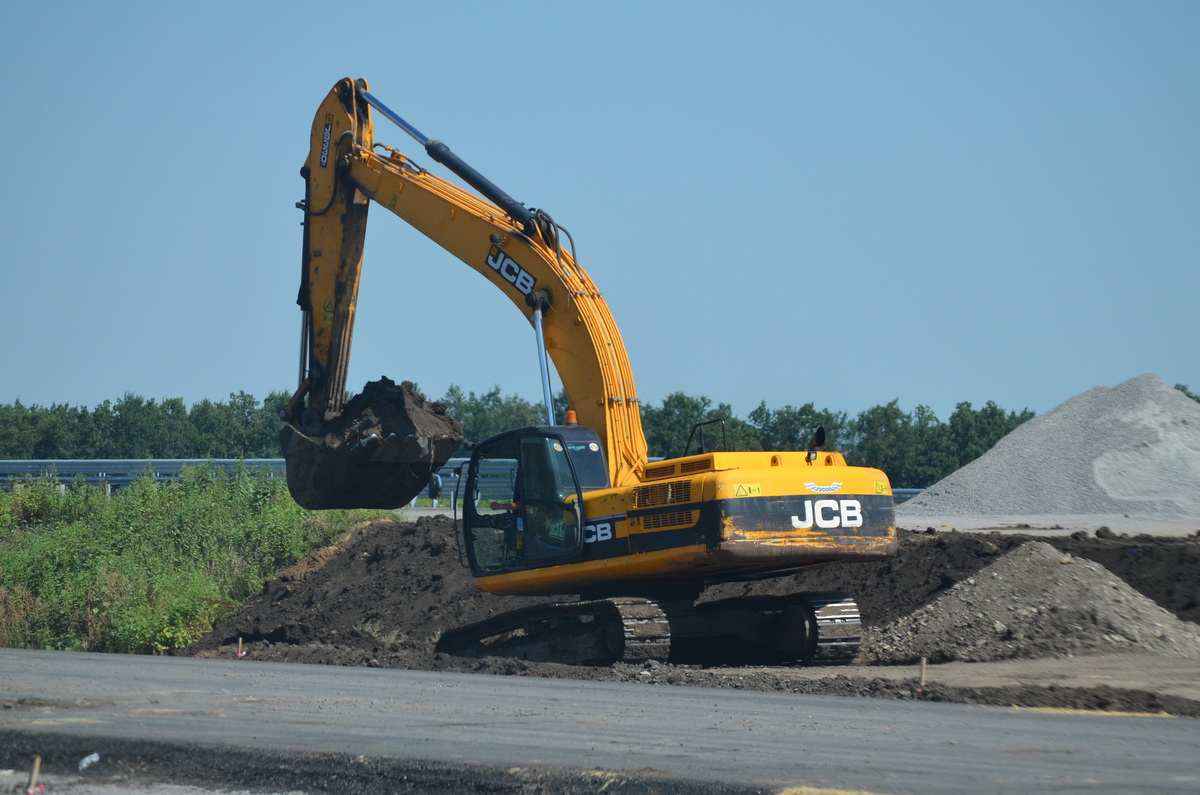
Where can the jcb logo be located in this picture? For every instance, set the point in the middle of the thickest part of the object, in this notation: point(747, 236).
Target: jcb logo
point(828, 514)
point(602, 531)
point(513, 273)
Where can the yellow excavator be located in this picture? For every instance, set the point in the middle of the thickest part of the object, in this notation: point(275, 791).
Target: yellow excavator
point(575, 509)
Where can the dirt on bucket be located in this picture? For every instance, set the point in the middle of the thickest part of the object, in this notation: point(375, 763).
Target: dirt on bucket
point(378, 453)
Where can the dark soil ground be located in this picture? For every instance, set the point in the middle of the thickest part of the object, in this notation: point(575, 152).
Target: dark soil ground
point(385, 592)
point(140, 766)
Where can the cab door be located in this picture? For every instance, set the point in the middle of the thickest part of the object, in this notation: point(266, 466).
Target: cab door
point(524, 504)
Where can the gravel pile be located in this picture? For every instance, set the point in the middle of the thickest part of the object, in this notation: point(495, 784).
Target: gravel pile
point(1129, 453)
point(1034, 601)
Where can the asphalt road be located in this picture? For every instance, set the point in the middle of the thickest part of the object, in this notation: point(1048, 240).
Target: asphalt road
point(709, 735)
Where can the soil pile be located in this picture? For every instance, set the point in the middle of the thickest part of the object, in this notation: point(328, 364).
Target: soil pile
point(378, 453)
point(1131, 451)
point(383, 594)
point(1034, 601)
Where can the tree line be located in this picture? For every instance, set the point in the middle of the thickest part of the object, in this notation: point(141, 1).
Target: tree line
point(134, 427)
point(915, 448)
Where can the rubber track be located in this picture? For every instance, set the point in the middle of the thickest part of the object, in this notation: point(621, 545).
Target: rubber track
point(586, 633)
point(644, 633)
point(839, 626)
point(646, 629)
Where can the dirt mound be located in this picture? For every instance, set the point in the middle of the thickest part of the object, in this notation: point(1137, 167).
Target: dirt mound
point(1034, 601)
point(378, 453)
point(387, 589)
point(384, 594)
point(1131, 451)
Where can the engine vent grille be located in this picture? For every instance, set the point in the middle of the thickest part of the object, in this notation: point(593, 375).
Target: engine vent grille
point(675, 519)
point(703, 465)
point(656, 494)
point(656, 472)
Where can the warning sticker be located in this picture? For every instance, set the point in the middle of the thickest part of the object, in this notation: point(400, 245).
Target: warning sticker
point(747, 490)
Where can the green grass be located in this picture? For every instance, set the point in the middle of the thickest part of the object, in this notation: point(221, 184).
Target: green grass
point(150, 568)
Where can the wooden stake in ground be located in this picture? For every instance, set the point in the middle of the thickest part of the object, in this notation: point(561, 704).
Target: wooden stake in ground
point(37, 767)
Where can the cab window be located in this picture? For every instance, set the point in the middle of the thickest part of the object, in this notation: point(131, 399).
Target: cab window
point(525, 505)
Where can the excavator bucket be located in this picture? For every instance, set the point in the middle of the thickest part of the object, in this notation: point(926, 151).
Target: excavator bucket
point(378, 453)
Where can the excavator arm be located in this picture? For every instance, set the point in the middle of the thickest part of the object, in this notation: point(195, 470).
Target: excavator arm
point(515, 248)
point(335, 224)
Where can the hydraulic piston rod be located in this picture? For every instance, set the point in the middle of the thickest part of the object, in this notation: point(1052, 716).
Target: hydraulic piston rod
point(442, 154)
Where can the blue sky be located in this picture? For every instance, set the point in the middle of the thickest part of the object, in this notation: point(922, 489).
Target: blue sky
point(836, 203)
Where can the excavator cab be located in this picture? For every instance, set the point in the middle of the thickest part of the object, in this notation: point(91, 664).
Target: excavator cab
point(524, 505)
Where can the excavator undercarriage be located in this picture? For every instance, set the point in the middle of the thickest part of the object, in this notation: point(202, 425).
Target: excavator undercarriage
point(818, 627)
